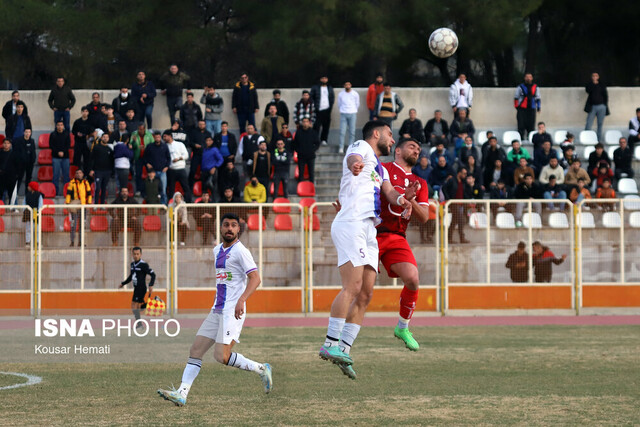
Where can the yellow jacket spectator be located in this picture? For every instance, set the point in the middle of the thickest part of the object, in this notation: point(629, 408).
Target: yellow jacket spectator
point(255, 192)
point(78, 193)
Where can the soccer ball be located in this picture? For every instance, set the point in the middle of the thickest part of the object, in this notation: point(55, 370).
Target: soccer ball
point(443, 42)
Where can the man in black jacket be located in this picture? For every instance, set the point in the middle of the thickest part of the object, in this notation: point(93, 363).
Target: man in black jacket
point(124, 102)
point(226, 143)
point(8, 170)
point(9, 108)
point(597, 104)
point(250, 143)
point(323, 97)
point(527, 189)
point(306, 143)
point(281, 106)
point(281, 161)
point(190, 115)
point(101, 167)
point(518, 264)
point(229, 177)
point(82, 128)
point(244, 102)
point(18, 122)
point(412, 127)
point(172, 83)
point(198, 140)
point(453, 189)
point(622, 158)
point(437, 129)
point(157, 157)
point(60, 142)
point(61, 101)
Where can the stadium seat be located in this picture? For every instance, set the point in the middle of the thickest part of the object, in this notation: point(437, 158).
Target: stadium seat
point(306, 189)
point(71, 152)
point(99, 223)
point(315, 223)
point(588, 137)
point(44, 157)
point(48, 224)
point(610, 151)
point(306, 172)
point(634, 219)
point(481, 137)
point(306, 202)
point(197, 175)
point(151, 223)
point(431, 150)
point(585, 220)
point(197, 188)
point(45, 173)
point(632, 202)
point(530, 137)
point(636, 153)
point(72, 138)
point(283, 222)
point(45, 210)
point(612, 137)
point(72, 171)
point(1, 225)
point(198, 200)
point(254, 220)
point(1, 138)
point(478, 220)
point(43, 140)
point(558, 220)
point(278, 206)
point(1, 209)
point(67, 224)
point(505, 220)
point(536, 221)
point(587, 151)
point(295, 157)
point(627, 186)
point(611, 220)
point(280, 189)
point(509, 136)
point(144, 172)
point(559, 136)
point(48, 190)
point(179, 188)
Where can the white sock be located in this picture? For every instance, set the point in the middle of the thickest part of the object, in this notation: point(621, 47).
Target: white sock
point(334, 330)
point(403, 323)
point(349, 334)
point(239, 361)
point(190, 373)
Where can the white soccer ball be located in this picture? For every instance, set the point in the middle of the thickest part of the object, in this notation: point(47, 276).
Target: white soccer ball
point(443, 42)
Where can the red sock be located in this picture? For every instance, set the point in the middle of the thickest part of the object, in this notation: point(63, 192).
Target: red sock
point(408, 300)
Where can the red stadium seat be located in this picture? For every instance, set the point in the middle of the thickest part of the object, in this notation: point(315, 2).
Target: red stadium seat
point(198, 200)
point(306, 172)
point(144, 171)
point(45, 173)
point(281, 209)
point(280, 189)
point(307, 202)
point(316, 223)
point(197, 188)
point(306, 189)
point(71, 155)
point(72, 171)
point(44, 157)
point(283, 222)
point(130, 188)
point(151, 223)
point(1, 138)
point(48, 190)
point(45, 210)
point(295, 157)
point(43, 140)
point(48, 224)
point(1, 209)
point(1, 225)
point(99, 223)
point(67, 224)
point(253, 222)
point(73, 140)
point(179, 188)
point(197, 175)
point(64, 190)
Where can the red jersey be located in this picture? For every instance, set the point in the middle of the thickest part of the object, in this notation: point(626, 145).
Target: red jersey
point(392, 221)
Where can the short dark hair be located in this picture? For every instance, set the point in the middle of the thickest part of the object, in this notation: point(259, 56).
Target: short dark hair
point(277, 92)
point(606, 180)
point(84, 108)
point(370, 126)
point(167, 132)
point(403, 141)
point(224, 123)
point(528, 175)
point(386, 84)
point(637, 110)
point(230, 216)
point(136, 248)
point(14, 92)
point(541, 123)
point(599, 145)
point(521, 245)
point(493, 137)
point(305, 91)
point(515, 140)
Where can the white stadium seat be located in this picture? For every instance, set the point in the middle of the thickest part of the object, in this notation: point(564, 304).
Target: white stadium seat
point(634, 219)
point(585, 219)
point(588, 137)
point(632, 202)
point(587, 151)
point(610, 151)
point(627, 186)
point(612, 137)
point(478, 220)
point(509, 136)
point(533, 132)
point(505, 220)
point(637, 153)
point(536, 221)
point(611, 220)
point(482, 137)
point(559, 136)
point(558, 220)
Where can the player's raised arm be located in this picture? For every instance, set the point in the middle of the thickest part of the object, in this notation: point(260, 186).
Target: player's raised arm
point(355, 164)
point(421, 211)
point(396, 198)
point(253, 281)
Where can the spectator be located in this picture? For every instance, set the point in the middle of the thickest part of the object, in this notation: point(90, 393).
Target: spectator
point(78, 193)
point(304, 108)
point(152, 188)
point(491, 176)
point(122, 159)
point(600, 173)
point(61, 101)
point(323, 97)
point(17, 131)
point(348, 104)
point(255, 192)
point(124, 102)
point(576, 173)
point(568, 158)
point(634, 129)
point(271, 127)
point(211, 162)
point(82, 130)
point(514, 155)
point(388, 106)
point(281, 106)
point(177, 170)
point(493, 153)
point(423, 169)
point(552, 169)
point(441, 172)
point(96, 118)
point(198, 140)
point(453, 189)
point(596, 157)
point(474, 170)
point(518, 264)
point(436, 129)
point(461, 96)
point(375, 89)
point(172, 83)
point(190, 115)
point(226, 142)
point(131, 123)
point(117, 215)
point(527, 102)
point(553, 190)
point(527, 189)
point(622, 157)
point(541, 136)
point(18, 122)
point(28, 150)
point(542, 260)
point(205, 218)
point(9, 108)
point(245, 102)
point(143, 91)
point(249, 145)
point(412, 127)
point(139, 141)
point(543, 156)
point(262, 164)
point(306, 143)
point(229, 177)
point(34, 199)
point(501, 192)
point(60, 142)
point(8, 172)
point(468, 149)
point(461, 127)
point(597, 104)
point(440, 151)
point(606, 192)
point(487, 143)
point(472, 189)
point(287, 137)
point(158, 157)
point(119, 134)
point(579, 192)
point(182, 216)
point(568, 141)
point(101, 167)
point(229, 197)
point(109, 118)
point(213, 109)
point(281, 169)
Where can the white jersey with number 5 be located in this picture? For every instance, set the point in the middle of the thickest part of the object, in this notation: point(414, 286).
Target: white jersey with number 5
point(360, 195)
point(232, 266)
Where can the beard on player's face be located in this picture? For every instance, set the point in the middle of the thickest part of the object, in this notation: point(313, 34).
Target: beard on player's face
point(229, 237)
point(410, 159)
point(383, 146)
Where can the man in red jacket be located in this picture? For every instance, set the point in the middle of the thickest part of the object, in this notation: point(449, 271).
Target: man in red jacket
point(375, 89)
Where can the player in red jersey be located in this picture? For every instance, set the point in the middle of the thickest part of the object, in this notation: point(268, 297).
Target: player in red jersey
point(395, 253)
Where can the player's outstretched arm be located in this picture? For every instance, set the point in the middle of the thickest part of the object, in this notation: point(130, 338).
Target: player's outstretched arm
point(396, 198)
point(355, 164)
point(127, 280)
point(253, 281)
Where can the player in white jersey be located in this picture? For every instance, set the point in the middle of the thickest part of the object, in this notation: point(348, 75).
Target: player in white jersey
point(236, 279)
point(354, 235)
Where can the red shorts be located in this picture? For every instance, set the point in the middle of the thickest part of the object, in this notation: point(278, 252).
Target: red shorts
point(394, 249)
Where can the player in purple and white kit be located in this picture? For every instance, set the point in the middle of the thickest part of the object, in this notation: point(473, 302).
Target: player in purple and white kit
point(236, 279)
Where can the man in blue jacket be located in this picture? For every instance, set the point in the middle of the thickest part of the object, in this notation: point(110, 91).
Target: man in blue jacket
point(157, 156)
point(211, 161)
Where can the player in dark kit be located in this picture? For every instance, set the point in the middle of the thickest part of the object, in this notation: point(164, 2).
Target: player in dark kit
point(139, 271)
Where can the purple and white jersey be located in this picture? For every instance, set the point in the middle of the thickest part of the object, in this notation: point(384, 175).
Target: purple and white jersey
point(232, 266)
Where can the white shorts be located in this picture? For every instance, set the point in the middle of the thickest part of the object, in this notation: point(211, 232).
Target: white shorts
point(221, 327)
point(355, 241)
